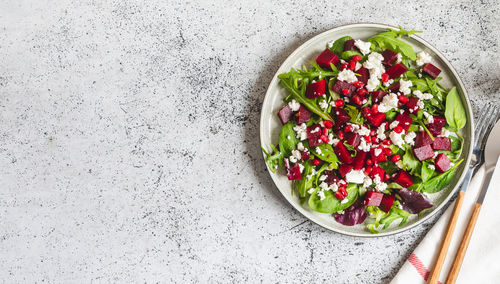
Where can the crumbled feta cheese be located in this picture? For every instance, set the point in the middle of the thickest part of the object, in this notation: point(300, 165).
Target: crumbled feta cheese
point(294, 105)
point(344, 201)
point(363, 146)
point(399, 164)
point(397, 139)
point(410, 138)
point(323, 104)
point(358, 66)
point(332, 141)
point(400, 57)
point(381, 131)
point(372, 84)
point(423, 58)
point(432, 167)
point(301, 167)
point(315, 130)
point(363, 130)
point(318, 150)
point(342, 61)
point(321, 195)
point(429, 117)
point(323, 185)
point(311, 190)
point(422, 96)
point(435, 154)
point(292, 159)
point(296, 154)
point(333, 187)
point(322, 178)
point(367, 181)
point(394, 124)
point(377, 152)
point(301, 131)
point(379, 185)
point(388, 83)
point(363, 46)
point(347, 76)
point(420, 128)
point(355, 176)
point(421, 104)
point(374, 64)
point(389, 102)
point(288, 137)
point(300, 146)
point(404, 86)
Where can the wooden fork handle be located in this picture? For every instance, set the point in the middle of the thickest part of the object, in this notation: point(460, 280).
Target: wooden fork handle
point(434, 276)
point(462, 249)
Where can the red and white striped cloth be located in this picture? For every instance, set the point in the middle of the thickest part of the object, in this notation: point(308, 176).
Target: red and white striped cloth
point(481, 264)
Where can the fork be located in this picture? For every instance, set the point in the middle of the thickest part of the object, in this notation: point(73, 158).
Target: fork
point(484, 123)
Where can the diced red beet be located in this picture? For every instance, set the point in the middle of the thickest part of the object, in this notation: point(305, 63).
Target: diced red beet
point(285, 114)
point(344, 169)
point(378, 171)
point(340, 85)
point(381, 156)
point(303, 115)
point(431, 70)
point(389, 57)
point(341, 117)
point(305, 156)
point(396, 71)
point(387, 202)
point(403, 178)
point(442, 143)
point(349, 45)
point(377, 96)
point(423, 153)
point(376, 119)
point(359, 160)
point(331, 177)
point(436, 127)
point(373, 198)
point(293, 173)
point(404, 120)
point(342, 153)
point(352, 138)
point(422, 139)
point(394, 87)
point(316, 89)
point(327, 57)
point(412, 106)
point(363, 75)
point(443, 163)
point(313, 135)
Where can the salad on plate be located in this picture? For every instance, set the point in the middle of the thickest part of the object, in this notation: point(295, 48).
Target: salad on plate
point(368, 131)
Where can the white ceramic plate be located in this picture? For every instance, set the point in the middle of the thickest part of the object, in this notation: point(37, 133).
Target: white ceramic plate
point(270, 124)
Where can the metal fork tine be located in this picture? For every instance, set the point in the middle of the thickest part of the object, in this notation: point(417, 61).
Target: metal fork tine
point(489, 118)
point(480, 120)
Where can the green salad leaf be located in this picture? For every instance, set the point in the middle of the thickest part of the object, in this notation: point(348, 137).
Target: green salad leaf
point(391, 40)
point(331, 204)
point(338, 45)
point(327, 153)
point(454, 110)
point(437, 183)
point(348, 54)
point(287, 141)
point(304, 184)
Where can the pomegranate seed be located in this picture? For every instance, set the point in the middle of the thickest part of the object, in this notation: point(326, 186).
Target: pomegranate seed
point(362, 92)
point(375, 108)
point(339, 103)
point(357, 57)
point(328, 124)
point(374, 139)
point(358, 84)
point(395, 158)
point(368, 170)
point(386, 142)
point(368, 138)
point(324, 138)
point(325, 131)
point(352, 65)
point(338, 195)
point(365, 110)
point(348, 128)
point(369, 162)
point(343, 66)
point(398, 129)
point(316, 162)
point(403, 99)
point(340, 134)
point(385, 77)
point(343, 191)
point(357, 100)
point(387, 151)
point(345, 91)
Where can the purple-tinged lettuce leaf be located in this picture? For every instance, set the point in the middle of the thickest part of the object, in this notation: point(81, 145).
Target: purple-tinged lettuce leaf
point(354, 214)
point(413, 201)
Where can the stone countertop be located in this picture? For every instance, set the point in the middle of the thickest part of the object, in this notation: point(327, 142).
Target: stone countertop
point(129, 146)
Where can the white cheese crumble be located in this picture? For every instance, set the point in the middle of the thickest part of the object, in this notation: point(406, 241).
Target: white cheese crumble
point(363, 146)
point(377, 152)
point(429, 117)
point(344, 201)
point(388, 83)
point(315, 130)
point(292, 159)
point(381, 131)
point(374, 64)
point(311, 190)
point(404, 86)
point(389, 102)
point(400, 57)
point(347, 76)
point(399, 164)
point(397, 139)
point(423, 58)
point(410, 138)
point(300, 146)
point(322, 178)
point(355, 176)
point(363, 46)
point(394, 124)
point(301, 167)
point(321, 195)
point(379, 185)
point(422, 96)
point(318, 150)
point(333, 187)
point(367, 181)
point(421, 104)
point(301, 131)
point(358, 66)
point(432, 167)
point(363, 131)
point(323, 186)
point(296, 154)
point(294, 105)
point(323, 104)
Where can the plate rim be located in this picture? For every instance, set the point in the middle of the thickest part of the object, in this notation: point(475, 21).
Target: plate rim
point(456, 76)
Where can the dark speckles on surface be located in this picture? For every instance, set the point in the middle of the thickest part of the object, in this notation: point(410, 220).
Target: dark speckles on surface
point(129, 146)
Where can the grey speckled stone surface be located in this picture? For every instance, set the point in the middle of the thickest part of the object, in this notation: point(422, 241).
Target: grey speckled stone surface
point(129, 144)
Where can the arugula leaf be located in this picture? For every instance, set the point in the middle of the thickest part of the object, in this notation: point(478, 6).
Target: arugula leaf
point(354, 113)
point(394, 214)
point(287, 141)
point(275, 159)
point(348, 54)
point(437, 183)
point(327, 153)
point(304, 184)
point(390, 40)
point(338, 45)
point(331, 204)
point(454, 110)
point(377, 214)
point(389, 167)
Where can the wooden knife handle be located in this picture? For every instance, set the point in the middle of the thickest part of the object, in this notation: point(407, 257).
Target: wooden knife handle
point(434, 276)
point(462, 249)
